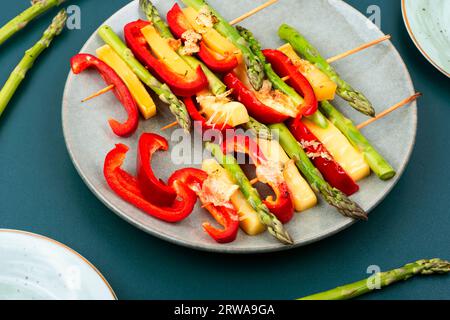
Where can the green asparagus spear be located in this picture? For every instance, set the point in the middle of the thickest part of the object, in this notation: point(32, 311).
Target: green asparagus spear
point(163, 91)
point(259, 130)
point(37, 8)
point(356, 289)
point(356, 99)
point(19, 73)
point(333, 196)
point(278, 83)
point(255, 68)
point(274, 226)
point(376, 162)
point(215, 84)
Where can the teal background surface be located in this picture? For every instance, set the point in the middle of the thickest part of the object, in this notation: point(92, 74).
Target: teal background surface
point(41, 192)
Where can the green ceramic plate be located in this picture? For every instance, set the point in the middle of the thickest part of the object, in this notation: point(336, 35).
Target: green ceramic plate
point(428, 24)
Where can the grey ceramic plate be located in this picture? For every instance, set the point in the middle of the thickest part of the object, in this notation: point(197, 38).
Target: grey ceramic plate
point(334, 27)
point(33, 267)
point(428, 24)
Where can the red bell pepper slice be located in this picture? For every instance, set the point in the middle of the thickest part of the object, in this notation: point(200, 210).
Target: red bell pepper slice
point(282, 207)
point(215, 61)
point(177, 21)
point(180, 85)
point(81, 62)
point(127, 187)
point(256, 108)
point(153, 189)
point(284, 67)
point(196, 116)
point(331, 170)
point(227, 217)
point(179, 25)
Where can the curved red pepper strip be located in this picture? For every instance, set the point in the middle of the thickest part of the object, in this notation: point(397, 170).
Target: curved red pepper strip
point(282, 207)
point(226, 217)
point(177, 21)
point(331, 170)
point(284, 67)
point(196, 116)
point(178, 24)
point(256, 108)
point(127, 187)
point(180, 85)
point(216, 64)
point(153, 189)
point(81, 62)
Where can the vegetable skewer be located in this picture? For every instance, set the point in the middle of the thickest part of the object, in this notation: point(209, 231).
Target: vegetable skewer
point(255, 67)
point(333, 196)
point(376, 162)
point(352, 51)
point(19, 73)
point(37, 8)
point(217, 87)
point(164, 93)
point(275, 79)
point(274, 226)
point(356, 289)
point(356, 99)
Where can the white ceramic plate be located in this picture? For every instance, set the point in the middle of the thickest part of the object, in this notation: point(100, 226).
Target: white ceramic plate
point(334, 27)
point(33, 267)
point(428, 24)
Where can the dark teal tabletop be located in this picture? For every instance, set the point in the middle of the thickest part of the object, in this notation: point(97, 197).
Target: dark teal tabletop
point(41, 192)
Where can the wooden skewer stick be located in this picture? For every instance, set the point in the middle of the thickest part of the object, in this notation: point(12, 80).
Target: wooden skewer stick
point(352, 51)
point(358, 49)
point(254, 181)
point(390, 110)
point(252, 12)
point(171, 125)
point(98, 93)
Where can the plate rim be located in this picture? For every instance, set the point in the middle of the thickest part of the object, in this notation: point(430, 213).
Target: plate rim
point(66, 248)
point(214, 248)
point(417, 43)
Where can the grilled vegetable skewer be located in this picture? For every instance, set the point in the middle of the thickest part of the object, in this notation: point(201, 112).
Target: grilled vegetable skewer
point(333, 196)
point(164, 93)
point(356, 289)
point(356, 99)
point(21, 21)
point(274, 226)
point(255, 67)
point(377, 163)
point(19, 73)
point(217, 87)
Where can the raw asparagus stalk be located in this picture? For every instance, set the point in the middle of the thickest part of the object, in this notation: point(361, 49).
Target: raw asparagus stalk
point(215, 84)
point(333, 196)
point(356, 289)
point(376, 162)
point(278, 83)
point(274, 226)
point(37, 8)
point(19, 73)
point(163, 91)
point(259, 129)
point(255, 68)
point(356, 99)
